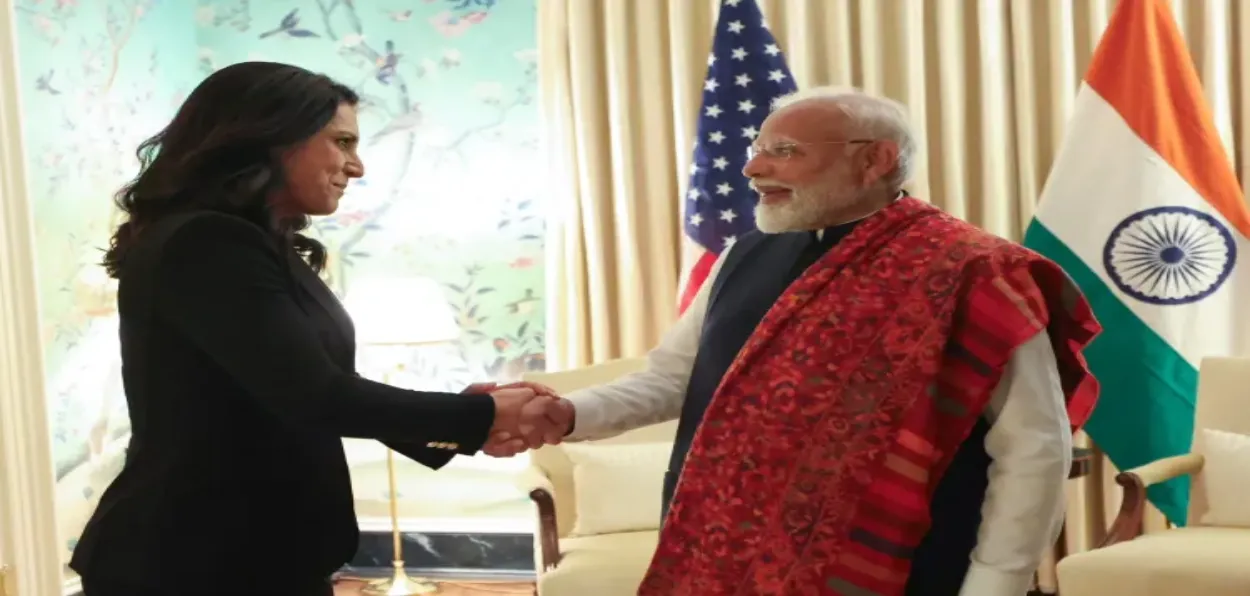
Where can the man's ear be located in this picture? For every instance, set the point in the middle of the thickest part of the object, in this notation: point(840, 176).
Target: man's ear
point(880, 158)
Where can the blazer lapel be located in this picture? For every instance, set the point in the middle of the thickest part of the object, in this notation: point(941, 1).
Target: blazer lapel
point(312, 286)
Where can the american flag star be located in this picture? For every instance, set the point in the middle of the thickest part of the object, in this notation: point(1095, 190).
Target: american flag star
point(746, 72)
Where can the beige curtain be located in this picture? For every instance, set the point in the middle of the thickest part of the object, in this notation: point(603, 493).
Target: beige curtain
point(990, 84)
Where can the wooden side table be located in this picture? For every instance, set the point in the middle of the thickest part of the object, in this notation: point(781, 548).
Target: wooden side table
point(1082, 465)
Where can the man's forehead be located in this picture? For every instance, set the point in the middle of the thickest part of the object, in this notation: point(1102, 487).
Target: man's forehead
point(803, 121)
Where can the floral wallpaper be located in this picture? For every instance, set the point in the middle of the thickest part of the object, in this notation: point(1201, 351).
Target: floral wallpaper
point(452, 192)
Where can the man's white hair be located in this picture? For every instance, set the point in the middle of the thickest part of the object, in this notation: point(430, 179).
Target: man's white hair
point(871, 117)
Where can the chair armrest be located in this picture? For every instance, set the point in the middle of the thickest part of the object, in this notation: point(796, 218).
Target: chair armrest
point(541, 492)
point(1128, 521)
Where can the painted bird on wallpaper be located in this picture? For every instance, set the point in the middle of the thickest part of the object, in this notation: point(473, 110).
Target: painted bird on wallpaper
point(386, 63)
point(289, 25)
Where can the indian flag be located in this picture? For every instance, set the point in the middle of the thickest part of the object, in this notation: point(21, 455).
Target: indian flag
point(1143, 210)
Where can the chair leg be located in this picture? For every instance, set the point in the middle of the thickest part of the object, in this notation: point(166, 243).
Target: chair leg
point(1061, 551)
point(1037, 590)
point(1061, 545)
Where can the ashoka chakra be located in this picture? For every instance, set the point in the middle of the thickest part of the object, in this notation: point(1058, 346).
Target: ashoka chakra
point(1169, 255)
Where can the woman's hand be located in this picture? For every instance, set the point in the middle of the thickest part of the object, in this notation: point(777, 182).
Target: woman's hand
point(547, 418)
point(480, 388)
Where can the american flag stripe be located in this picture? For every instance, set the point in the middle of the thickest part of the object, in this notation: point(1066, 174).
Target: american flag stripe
point(746, 72)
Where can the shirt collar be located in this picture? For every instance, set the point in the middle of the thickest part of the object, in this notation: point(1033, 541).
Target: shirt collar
point(820, 234)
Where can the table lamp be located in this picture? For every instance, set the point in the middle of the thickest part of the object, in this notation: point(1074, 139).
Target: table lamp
point(399, 313)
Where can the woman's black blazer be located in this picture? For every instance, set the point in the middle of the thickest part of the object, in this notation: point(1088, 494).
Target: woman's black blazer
point(239, 370)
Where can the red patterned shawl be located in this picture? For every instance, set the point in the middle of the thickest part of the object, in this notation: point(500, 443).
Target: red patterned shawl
point(816, 459)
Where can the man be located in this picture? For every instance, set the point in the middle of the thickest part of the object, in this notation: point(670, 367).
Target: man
point(874, 397)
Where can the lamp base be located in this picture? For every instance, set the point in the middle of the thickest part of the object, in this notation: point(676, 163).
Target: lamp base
point(400, 584)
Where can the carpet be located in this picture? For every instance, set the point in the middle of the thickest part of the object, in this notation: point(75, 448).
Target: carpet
point(352, 587)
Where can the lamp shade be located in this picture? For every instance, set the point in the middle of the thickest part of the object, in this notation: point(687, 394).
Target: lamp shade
point(400, 311)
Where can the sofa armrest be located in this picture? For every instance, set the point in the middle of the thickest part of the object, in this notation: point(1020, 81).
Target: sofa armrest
point(541, 492)
point(1128, 522)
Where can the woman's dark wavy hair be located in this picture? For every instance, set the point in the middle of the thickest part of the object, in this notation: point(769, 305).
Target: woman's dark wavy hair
point(221, 152)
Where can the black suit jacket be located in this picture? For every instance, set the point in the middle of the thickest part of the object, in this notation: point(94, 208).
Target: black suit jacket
point(238, 365)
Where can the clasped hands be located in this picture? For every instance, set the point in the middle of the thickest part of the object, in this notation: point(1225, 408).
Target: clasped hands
point(527, 416)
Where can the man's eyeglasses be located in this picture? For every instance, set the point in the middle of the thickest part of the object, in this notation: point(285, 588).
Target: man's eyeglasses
point(787, 150)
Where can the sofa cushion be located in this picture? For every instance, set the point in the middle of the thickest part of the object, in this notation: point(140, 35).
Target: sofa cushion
point(609, 565)
point(1226, 475)
point(617, 488)
point(1197, 560)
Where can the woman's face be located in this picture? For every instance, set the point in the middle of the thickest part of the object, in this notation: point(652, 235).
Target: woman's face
point(318, 170)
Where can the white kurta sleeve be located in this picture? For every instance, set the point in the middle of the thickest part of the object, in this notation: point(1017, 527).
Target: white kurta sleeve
point(652, 395)
point(1030, 446)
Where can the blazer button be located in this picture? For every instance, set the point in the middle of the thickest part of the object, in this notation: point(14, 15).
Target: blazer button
point(453, 445)
point(432, 445)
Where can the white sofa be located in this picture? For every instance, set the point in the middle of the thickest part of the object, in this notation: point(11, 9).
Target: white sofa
point(598, 502)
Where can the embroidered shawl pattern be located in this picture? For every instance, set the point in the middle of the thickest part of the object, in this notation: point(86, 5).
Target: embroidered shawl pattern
point(814, 465)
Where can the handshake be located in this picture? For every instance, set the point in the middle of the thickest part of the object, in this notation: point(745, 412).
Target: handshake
point(527, 416)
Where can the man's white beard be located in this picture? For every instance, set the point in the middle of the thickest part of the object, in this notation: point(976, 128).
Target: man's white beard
point(808, 209)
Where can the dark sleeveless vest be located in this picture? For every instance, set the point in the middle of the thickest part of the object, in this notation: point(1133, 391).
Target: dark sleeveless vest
point(756, 272)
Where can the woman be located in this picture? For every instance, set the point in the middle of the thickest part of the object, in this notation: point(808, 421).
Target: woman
point(238, 362)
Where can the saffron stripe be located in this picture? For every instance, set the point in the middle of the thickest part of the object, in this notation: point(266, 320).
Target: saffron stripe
point(1163, 102)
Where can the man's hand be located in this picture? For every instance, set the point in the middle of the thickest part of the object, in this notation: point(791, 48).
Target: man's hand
point(543, 419)
point(538, 388)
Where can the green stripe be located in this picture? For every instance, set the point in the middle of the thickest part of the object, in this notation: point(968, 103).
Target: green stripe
point(1145, 406)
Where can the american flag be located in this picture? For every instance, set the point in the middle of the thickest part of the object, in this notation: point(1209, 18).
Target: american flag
point(745, 73)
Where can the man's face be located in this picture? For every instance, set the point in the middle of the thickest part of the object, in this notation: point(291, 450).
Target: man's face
point(806, 168)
